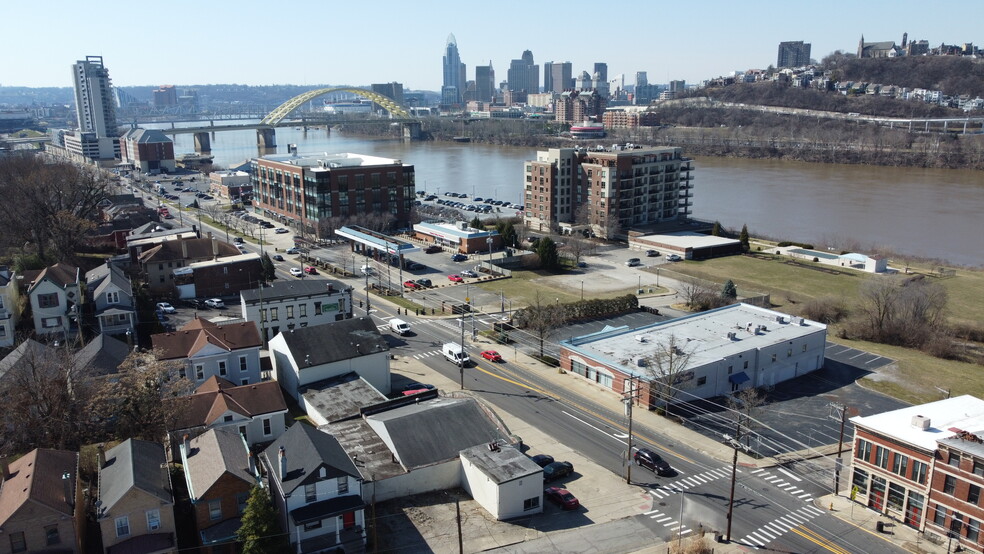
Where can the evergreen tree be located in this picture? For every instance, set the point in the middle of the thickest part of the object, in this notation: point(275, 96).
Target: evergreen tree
point(269, 270)
point(546, 250)
point(743, 238)
point(259, 532)
point(477, 223)
point(508, 233)
point(729, 290)
point(716, 230)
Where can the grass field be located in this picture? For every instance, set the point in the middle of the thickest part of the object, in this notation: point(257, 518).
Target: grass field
point(523, 287)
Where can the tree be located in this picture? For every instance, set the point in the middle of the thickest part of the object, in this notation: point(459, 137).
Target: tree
point(542, 319)
point(269, 271)
point(577, 247)
point(716, 229)
point(899, 310)
point(477, 223)
point(730, 290)
point(666, 368)
point(546, 250)
point(259, 532)
point(743, 238)
point(743, 404)
point(508, 233)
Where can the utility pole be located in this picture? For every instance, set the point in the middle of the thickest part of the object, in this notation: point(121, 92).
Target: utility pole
point(367, 280)
point(628, 400)
point(461, 359)
point(736, 443)
point(839, 462)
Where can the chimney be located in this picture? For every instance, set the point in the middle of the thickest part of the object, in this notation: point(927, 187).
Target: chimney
point(101, 449)
point(283, 462)
point(215, 247)
point(209, 234)
point(5, 467)
point(251, 463)
point(68, 489)
point(184, 248)
point(186, 441)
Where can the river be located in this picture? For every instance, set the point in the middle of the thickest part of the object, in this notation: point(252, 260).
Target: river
point(928, 213)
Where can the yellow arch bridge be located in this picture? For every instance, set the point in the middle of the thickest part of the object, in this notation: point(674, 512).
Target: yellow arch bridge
point(288, 107)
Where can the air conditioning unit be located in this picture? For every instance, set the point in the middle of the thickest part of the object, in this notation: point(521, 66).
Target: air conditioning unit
point(780, 319)
point(920, 422)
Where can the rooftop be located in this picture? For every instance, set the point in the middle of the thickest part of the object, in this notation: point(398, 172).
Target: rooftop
point(502, 464)
point(340, 340)
point(326, 161)
point(199, 333)
point(705, 335)
point(687, 239)
point(341, 397)
point(946, 417)
point(452, 230)
point(279, 290)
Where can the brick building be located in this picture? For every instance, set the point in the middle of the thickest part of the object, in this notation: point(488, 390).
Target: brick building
point(629, 119)
point(918, 465)
point(575, 106)
point(149, 150)
point(317, 192)
point(234, 185)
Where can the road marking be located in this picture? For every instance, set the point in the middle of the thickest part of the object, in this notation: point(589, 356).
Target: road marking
point(766, 533)
point(869, 362)
point(791, 476)
point(756, 539)
point(588, 424)
point(819, 540)
point(806, 495)
point(758, 470)
point(661, 520)
point(858, 355)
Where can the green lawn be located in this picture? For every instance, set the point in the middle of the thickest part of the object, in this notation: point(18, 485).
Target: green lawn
point(524, 285)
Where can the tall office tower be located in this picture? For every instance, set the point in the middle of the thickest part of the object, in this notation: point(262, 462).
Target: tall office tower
point(94, 100)
point(392, 90)
point(562, 77)
point(523, 74)
point(548, 77)
point(678, 86)
point(641, 79)
point(454, 77)
point(793, 54)
point(484, 83)
point(601, 69)
point(166, 95)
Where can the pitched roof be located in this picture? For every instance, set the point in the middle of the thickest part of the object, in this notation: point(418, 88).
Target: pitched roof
point(103, 355)
point(307, 449)
point(199, 333)
point(198, 249)
point(60, 274)
point(134, 464)
point(216, 396)
point(38, 477)
point(25, 353)
point(341, 340)
point(99, 279)
point(213, 454)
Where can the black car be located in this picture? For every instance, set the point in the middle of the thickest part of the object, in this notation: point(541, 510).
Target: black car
point(424, 282)
point(556, 470)
point(652, 253)
point(648, 459)
point(413, 266)
point(197, 304)
point(459, 258)
point(278, 258)
point(542, 460)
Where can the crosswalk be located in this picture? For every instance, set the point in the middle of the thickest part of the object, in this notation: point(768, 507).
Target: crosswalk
point(692, 481)
point(780, 526)
point(781, 483)
point(669, 523)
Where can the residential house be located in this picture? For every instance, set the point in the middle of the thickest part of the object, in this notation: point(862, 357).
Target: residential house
point(135, 503)
point(111, 293)
point(152, 234)
point(55, 300)
point(102, 356)
point(316, 489)
point(230, 351)
point(28, 354)
point(286, 305)
point(220, 277)
point(306, 355)
point(159, 262)
point(256, 411)
point(219, 471)
point(9, 306)
point(38, 501)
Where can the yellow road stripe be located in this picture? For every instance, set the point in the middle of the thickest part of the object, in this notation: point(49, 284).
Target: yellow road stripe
point(819, 540)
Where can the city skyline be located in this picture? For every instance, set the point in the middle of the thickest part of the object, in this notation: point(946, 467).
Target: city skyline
point(406, 44)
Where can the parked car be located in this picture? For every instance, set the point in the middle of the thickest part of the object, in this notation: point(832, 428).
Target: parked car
point(281, 231)
point(632, 262)
point(556, 470)
point(561, 497)
point(215, 303)
point(238, 240)
point(310, 270)
point(418, 386)
point(411, 284)
point(469, 273)
point(492, 356)
point(424, 282)
point(455, 278)
point(650, 460)
point(459, 258)
point(197, 304)
point(293, 250)
point(673, 258)
point(433, 249)
point(166, 308)
point(652, 253)
point(413, 266)
point(296, 271)
point(542, 460)
point(278, 258)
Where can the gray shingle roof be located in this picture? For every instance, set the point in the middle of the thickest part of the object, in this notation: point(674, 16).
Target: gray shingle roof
point(213, 454)
point(103, 355)
point(307, 450)
point(134, 464)
point(99, 279)
point(341, 340)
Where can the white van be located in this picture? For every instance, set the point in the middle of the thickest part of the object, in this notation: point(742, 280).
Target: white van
point(399, 326)
point(367, 270)
point(455, 353)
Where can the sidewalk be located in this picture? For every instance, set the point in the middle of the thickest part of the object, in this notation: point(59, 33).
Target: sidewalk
point(866, 519)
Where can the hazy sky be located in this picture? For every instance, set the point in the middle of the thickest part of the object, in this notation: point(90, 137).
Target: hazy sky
point(309, 42)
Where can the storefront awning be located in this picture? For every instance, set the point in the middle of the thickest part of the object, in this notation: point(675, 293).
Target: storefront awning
point(738, 378)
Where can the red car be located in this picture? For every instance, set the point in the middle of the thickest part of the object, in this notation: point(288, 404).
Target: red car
point(454, 277)
point(310, 270)
point(561, 497)
point(492, 356)
point(411, 284)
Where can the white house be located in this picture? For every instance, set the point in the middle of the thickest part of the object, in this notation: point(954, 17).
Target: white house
point(306, 355)
point(56, 300)
point(230, 351)
point(111, 292)
point(503, 480)
point(316, 489)
point(9, 310)
point(287, 305)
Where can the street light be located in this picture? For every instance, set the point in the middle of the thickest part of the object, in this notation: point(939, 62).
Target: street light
point(489, 242)
point(582, 290)
point(657, 277)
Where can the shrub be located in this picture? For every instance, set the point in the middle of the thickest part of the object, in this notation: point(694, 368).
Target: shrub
point(828, 309)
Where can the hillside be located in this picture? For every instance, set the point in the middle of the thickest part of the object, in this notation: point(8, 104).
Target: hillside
point(954, 75)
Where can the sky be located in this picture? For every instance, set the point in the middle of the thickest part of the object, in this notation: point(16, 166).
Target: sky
point(309, 42)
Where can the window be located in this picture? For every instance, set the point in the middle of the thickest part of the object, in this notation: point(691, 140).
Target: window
point(919, 471)
point(267, 427)
point(956, 523)
point(48, 300)
point(312, 525)
point(701, 381)
point(51, 537)
point(263, 314)
point(310, 493)
point(789, 352)
point(290, 312)
point(122, 526)
point(214, 509)
point(241, 499)
point(953, 459)
point(242, 363)
point(896, 493)
point(861, 480)
point(746, 365)
point(531, 503)
point(774, 357)
point(153, 520)
point(900, 464)
point(973, 530)
point(979, 467)
point(342, 484)
point(199, 372)
point(17, 542)
point(222, 368)
point(940, 516)
point(302, 309)
point(113, 297)
point(881, 457)
point(974, 494)
point(227, 418)
point(51, 322)
point(273, 314)
point(949, 484)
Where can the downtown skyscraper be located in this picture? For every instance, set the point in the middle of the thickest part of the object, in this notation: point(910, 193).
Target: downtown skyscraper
point(454, 74)
point(94, 99)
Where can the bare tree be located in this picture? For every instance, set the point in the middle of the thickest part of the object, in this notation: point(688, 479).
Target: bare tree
point(666, 368)
point(743, 404)
point(576, 247)
point(900, 310)
point(542, 319)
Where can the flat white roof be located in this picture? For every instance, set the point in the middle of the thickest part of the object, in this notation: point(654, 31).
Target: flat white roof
point(226, 260)
point(328, 161)
point(962, 413)
point(687, 239)
point(705, 335)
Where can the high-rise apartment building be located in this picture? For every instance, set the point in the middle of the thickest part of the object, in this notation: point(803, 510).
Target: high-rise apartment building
point(560, 78)
point(484, 83)
point(601, 70)
point(793, 54)
point(523, 74)
point(94, 99)
point(575, 106)
point(454, 74)
point(641, 79)
point(606, 191)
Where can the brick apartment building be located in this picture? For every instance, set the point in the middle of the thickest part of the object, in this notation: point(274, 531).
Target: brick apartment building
point(924, 466)
point(614, 119)
point(606, 191)
point(575, 106)
point(315, 193)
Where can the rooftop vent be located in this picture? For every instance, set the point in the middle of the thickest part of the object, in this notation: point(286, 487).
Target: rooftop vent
point(920, 422)
point(640, 338)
